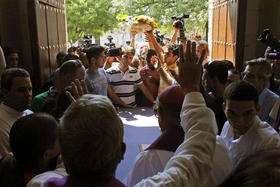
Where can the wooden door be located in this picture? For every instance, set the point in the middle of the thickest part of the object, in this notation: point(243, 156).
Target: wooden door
point(43, 63)
point(228, 28)
point(48, 31)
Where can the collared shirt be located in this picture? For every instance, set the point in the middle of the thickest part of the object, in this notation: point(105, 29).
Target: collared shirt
point(123, 84)
point(259, 137)
point(39, 100)
point(192, 161)
point(266, 100)
point(8, 116)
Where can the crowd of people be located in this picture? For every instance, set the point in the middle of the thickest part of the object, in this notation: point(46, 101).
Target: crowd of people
point(219, 126)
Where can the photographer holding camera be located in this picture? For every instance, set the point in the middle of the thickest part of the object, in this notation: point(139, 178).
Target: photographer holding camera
point(123, 79)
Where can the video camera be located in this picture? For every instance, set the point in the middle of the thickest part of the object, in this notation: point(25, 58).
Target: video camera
point(86, 42)
point(272, 42)
point(160, 37)
point(113, 50)
point(179, 20)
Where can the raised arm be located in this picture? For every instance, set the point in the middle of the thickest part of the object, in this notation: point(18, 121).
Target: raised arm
point(174, 36)
point(133, 34)
point(146, 92)
point(192, 161)
point(153, 40)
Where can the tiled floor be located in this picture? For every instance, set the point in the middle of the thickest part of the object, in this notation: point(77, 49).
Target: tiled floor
point(140, 127)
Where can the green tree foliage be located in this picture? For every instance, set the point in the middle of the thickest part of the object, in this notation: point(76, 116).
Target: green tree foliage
point(99, 16)
point(89, 17)
point(163, 10)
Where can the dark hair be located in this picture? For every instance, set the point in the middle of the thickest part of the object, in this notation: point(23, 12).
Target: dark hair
point(174, 48)
point(60, 56)
point(8, 76)
point(150, 53)
point(241, 91)
point(9, 50)
point(259, 169)
point(70, 56)
point(229, 64)
point(70, 67)
point(265, 70)
point(30, 137)
point(94, 52)
point(217, 69)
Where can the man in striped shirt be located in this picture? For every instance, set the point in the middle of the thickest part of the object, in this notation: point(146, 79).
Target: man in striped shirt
point(123, 80)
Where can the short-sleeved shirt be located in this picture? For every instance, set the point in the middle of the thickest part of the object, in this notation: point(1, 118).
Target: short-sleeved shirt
point(123, 84)
point(97, 82)
point(39, 101)
point(151, 80)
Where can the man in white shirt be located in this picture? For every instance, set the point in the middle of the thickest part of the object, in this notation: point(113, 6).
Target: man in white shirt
point(154, 158)
point(191, 163)
point(244, 133)
point(123, 79)
point(17, 93)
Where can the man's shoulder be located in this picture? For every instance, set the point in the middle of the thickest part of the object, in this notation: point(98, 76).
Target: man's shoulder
point(42, 96)
point(132, 69)
point(269, 95)
point(153, 156)
point(113, 70)
point(145, 68)
point(266, 130)
point(261, 135)
point(101, 70)
point(43, 177)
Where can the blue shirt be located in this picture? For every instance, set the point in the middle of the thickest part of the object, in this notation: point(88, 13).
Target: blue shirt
point(97, 82)
point(266, 100)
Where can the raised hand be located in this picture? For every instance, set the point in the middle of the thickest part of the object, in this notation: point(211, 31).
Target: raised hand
point(79, 88)
point(190, 68)
point(156, 62)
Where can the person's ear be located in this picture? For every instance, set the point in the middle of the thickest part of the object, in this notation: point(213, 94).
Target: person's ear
point(51, 153)
point(224, 106)
point(92, 60)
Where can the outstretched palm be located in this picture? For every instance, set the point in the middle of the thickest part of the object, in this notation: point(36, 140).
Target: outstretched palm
point(190, 67)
